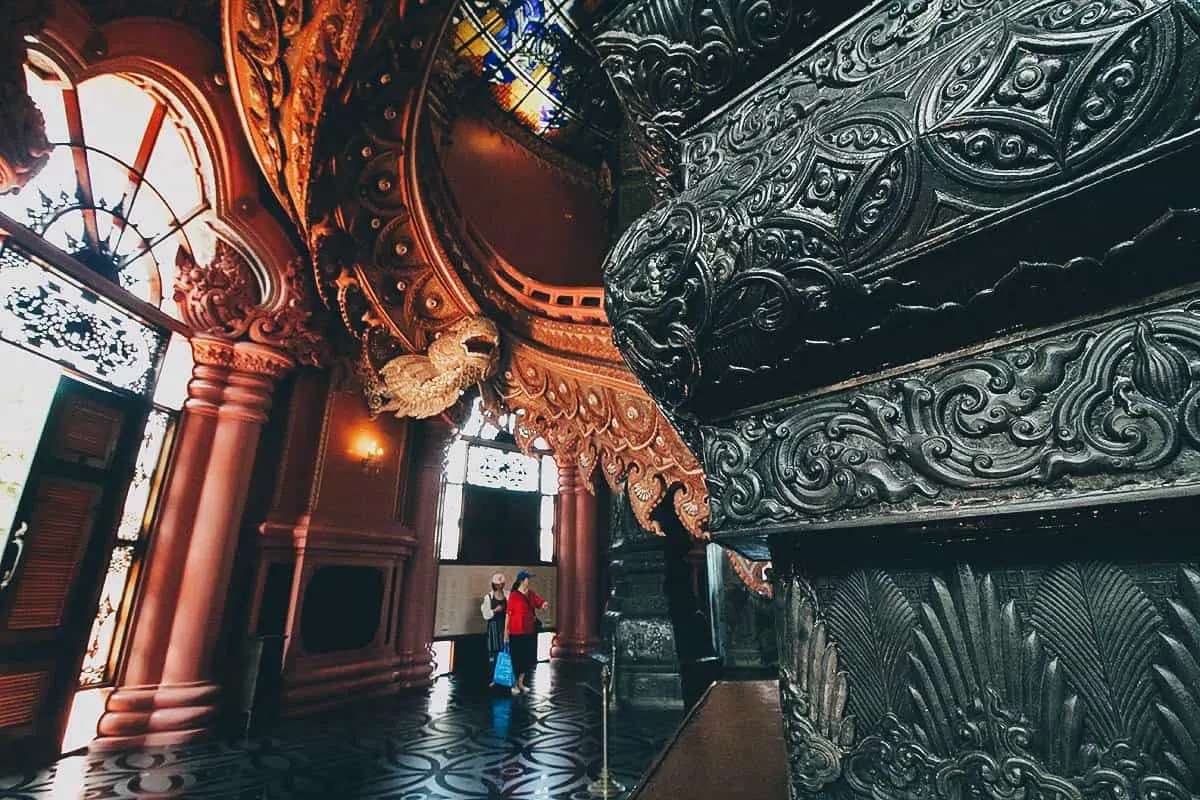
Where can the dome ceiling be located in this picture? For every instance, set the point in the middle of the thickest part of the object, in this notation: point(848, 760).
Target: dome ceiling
point(349, 108)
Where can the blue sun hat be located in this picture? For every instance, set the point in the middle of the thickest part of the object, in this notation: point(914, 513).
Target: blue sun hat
point(521, 576)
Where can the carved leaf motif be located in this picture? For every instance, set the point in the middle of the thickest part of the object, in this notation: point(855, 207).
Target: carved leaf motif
point(968, 657)
point(1178, 678)
point(872, 622)
point(812, 695)
point(1103, 630)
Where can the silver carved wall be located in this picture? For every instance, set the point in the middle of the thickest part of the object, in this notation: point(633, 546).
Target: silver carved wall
point(925, 304)
point(813, 206)
point(1068, 682)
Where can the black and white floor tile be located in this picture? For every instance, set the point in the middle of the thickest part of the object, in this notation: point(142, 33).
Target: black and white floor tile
point(454, 742)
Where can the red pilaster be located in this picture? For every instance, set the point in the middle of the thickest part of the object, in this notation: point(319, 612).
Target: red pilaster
point(166, 694)
point(418, 608)
point(575, 528)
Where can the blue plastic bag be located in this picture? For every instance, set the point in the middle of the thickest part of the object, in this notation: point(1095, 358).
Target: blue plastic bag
point(503, 674)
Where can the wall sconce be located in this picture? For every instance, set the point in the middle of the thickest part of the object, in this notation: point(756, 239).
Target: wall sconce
point(371, 454)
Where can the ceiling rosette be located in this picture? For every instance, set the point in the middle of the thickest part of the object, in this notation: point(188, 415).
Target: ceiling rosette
point(345, 106)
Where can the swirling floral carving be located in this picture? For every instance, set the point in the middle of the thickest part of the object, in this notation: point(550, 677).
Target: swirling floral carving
point(815, 178)
point(670, 64)
point(1119, 399)
point(223, 300)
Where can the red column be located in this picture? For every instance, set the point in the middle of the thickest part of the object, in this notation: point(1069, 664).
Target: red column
point(167, 694)
point(586, 620)
point(564, 553)
point(575, 528)
point(419, 594)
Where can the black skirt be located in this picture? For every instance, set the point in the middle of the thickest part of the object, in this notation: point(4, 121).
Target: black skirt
point(523, 649)
point(495, 628)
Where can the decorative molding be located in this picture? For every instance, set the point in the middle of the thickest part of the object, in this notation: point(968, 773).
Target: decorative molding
point(1072, 414)
point(1080, 687)
point(244, 357)
point(24, 148)
point(283, 64)
point(804, 203)
point(606, 422)
point(222, 300)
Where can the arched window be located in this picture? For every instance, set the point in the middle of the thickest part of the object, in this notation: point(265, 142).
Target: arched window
point(127, 185)
point(486, 455)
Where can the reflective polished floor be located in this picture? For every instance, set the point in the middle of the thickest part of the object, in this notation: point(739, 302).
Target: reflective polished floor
point(455, 742)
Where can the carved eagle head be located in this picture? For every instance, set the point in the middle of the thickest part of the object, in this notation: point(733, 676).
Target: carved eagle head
point(470, 347)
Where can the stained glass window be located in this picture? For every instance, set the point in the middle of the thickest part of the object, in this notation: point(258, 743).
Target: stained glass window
point(122, 191)
point(538, 67)
point(485, 454)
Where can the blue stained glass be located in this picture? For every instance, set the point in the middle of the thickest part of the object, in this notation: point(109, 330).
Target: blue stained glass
point(539, 68)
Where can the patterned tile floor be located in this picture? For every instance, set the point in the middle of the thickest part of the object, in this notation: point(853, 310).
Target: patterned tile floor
point(454, 742)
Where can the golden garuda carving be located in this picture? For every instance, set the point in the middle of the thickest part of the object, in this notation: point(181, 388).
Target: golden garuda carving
point(421, 386)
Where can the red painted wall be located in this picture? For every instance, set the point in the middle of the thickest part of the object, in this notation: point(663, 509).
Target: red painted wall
point(548, 224)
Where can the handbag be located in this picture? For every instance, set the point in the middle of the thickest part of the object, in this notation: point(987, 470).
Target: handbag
point(502, 675)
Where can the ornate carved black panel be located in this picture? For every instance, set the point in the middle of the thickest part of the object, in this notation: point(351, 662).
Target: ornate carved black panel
point(1025, 670)
point(926, 306)
point(895, 179)
point(1088, 413)
point(672, 61)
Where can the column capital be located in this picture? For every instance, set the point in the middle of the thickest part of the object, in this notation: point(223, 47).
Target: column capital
point(570, 477)
point(234, 379)
point(248, 358)
point(225, 300)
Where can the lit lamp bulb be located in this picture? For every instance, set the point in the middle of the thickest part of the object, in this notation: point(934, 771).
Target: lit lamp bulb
point(372, 452)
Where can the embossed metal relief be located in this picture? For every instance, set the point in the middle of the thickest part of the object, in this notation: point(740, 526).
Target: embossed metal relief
point(1086, 689)
point(673, 60)
point(1113, 404)
point(805, 202)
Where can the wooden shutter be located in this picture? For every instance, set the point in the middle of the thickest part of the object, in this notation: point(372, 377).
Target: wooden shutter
point(20, 695)
point(60, 527)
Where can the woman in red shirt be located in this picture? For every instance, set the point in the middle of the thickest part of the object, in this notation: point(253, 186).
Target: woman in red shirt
point(519, 629)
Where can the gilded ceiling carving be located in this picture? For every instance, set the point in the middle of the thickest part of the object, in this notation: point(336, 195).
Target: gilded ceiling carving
point(399, 267)
point(597, 416)
point(283, 63)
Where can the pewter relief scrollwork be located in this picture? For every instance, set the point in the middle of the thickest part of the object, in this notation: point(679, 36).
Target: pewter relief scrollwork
point(1068, 684)
point(671, 60)
point(803, 205)
point(1119, 400)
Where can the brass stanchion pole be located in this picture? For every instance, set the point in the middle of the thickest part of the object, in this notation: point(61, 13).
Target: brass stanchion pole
point(604, 785)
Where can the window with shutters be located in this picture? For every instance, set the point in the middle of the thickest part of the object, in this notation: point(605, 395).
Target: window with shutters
point(126, 188)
